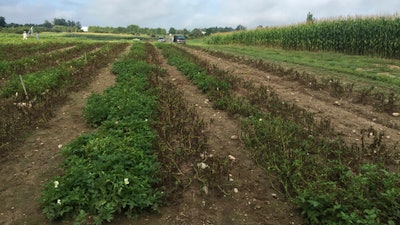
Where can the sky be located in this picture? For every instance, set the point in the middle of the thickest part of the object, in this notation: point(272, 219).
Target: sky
point(190, 14)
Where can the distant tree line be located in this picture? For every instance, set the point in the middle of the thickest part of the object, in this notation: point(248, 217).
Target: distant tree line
point(198, 32)
point(58, 25)
point(131, 29)
point(136, 30)
point(63, 25)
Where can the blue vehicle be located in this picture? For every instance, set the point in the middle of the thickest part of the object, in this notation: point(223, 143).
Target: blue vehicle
point(180, 39)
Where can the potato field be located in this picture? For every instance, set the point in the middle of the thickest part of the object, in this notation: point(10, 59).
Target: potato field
point(124, 131)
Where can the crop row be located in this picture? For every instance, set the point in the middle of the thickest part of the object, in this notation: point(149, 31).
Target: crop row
point(44, 89)
point(378, 36)
point(182, 144)
point(51, 78)
point(113, 169)
point(39, 62)
point(332, 182)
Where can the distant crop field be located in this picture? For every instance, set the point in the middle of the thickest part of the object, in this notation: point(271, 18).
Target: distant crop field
point(376, 36)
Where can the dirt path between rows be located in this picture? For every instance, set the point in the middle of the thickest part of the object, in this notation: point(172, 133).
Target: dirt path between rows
point(347, 118)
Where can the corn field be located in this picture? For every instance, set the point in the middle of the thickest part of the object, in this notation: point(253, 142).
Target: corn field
point(376, 36)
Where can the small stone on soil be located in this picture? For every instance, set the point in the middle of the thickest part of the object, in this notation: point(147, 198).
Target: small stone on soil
point(234, 137)
point(231, 157)
point(202, 165)
point(205, 189)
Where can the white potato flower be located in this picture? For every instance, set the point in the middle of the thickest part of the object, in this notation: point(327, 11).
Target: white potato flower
point(126, 181)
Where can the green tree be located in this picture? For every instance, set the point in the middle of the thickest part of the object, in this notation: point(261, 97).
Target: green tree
point(310, 18)
point(196, 33)
point(172, 30)
point(133, 29)
point(2, 21)
point(160, 31)
point(61, 22)
point(240, 27)
point(47, 24)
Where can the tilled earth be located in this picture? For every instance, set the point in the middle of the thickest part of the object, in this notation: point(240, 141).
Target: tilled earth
point(347, 118)
point(251, 198)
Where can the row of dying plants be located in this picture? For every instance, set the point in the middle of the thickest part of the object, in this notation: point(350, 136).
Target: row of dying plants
point(11, 52)
point(382, 102)
point(30, 99)
point(39, 61)
point(149, 147)
point(330, 181)
point(184, 153)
